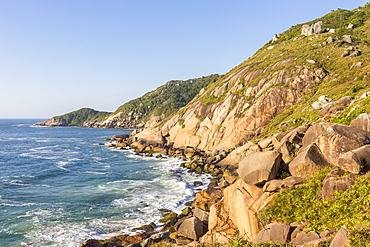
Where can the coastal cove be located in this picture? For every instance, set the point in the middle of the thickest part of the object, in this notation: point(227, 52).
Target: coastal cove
point(59, 187)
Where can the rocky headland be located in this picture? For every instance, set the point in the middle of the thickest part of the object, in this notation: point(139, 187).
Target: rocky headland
point(286, 136)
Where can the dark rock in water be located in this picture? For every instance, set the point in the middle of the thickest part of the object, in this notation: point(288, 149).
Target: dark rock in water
point(150, 227)
point(197, 183)
point(168, 217)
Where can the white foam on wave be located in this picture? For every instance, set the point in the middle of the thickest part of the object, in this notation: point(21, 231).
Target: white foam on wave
point(61, 164)
point(92, 172)
point(21, 183)
point(43, 140)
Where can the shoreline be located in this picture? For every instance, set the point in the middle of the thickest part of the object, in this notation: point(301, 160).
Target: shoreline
point(194, 162)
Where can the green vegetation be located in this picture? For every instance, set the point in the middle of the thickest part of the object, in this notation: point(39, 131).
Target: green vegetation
point(304, 204)
point(352, 112)
point(78, 117)
point(165, 100)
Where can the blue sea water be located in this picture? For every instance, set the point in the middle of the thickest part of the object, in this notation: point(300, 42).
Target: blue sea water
point(58, 187)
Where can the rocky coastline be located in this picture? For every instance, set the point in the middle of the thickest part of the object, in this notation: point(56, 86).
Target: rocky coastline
point(230, 207)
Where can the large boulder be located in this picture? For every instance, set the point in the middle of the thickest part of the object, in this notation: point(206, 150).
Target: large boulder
point(243, 202)
point(309, 160)
point(220, 228)
point(335, 139)
point(335, 181)
point(275, 232)
point(201, 214)
point(258, 168)
point(192, 228)
point(362, 122)
point(341, 238)
point(152, 136)
point(355, 161)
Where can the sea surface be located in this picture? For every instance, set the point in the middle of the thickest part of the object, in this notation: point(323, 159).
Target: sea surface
point(59, 187)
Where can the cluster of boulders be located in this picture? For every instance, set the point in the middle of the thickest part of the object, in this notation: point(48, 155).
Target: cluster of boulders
point(122, 124)
point(329, 108)
point(247, 177)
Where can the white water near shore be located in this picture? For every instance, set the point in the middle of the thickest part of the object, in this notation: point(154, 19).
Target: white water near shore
point(59, 188)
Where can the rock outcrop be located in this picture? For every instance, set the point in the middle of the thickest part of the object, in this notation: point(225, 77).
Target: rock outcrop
point(239, 117)
point(315, 28)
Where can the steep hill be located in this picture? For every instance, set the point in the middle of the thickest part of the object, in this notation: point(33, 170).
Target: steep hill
point(160, 103)
point(275, 88)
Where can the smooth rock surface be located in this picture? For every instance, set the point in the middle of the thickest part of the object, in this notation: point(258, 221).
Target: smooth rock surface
point(258, 168)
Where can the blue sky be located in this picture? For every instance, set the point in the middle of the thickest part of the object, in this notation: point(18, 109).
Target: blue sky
point(59, 56)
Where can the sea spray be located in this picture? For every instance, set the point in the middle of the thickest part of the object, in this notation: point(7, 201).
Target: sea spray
point(59, 188)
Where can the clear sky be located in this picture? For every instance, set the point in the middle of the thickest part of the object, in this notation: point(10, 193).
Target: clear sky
point(59, 56)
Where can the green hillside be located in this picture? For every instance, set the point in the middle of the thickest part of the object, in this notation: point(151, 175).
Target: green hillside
point(346, 75)
point(77, 118)
point(165, 100)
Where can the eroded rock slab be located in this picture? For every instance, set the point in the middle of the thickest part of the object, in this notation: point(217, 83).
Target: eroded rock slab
point(308, 161)
point(356, 161)
point(258, 168)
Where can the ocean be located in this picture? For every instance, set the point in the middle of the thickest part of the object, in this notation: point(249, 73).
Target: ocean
point(59, 187)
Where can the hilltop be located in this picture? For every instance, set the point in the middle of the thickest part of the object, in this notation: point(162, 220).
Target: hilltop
point(159, 104)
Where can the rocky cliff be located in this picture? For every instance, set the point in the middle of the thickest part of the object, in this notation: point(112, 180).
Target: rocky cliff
point(275, 88)
point(274, 131)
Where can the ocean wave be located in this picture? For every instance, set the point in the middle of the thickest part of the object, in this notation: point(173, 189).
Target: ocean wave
point(92, 172)
point(61, 164)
